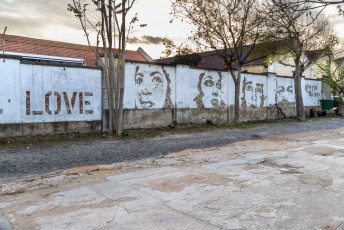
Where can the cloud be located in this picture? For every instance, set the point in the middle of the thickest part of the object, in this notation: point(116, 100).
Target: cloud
point(152, 40)
point(147, 40)
point(31, 17)
point(134, 40)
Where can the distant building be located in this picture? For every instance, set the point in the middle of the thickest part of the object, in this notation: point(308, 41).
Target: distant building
point(39, 47)
point(210, 60)
point(340, 61)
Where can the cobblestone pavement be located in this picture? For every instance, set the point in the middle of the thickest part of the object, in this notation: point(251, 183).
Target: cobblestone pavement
point(46, 158)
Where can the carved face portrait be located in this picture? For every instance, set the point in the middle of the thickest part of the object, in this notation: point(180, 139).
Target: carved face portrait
point(253, 94)
point(153, 88)
point(210, 88)
point(312, 90)
point(285, 94)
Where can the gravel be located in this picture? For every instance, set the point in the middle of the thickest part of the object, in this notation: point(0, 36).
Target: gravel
point(47, 158)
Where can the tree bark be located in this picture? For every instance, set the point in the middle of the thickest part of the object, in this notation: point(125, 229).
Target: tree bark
point(237, 80)
point(300, 115)
point(109, 91)
point(121, 95)
point(340, 109)
point(121, 76)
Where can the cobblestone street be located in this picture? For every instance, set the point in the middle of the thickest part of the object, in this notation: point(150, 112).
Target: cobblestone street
point(275, 176)
point(46, 158)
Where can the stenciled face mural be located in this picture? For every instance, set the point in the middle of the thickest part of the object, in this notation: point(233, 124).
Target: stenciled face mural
point(253, 94)
point(210, 88)
point(312, 90)
point(285, 94)
point(153, 88)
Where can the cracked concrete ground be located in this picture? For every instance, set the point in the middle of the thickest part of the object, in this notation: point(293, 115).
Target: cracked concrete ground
point(290, 181)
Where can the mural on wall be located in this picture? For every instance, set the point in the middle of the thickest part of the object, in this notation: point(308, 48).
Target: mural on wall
point(285, 93)
point(312, 90)
point(39, 93)
point(210, 91)
point(153, 88)
point(253, 94)
point(53, 103)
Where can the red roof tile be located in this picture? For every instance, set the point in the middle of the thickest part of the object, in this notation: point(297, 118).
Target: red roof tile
point(28, 45)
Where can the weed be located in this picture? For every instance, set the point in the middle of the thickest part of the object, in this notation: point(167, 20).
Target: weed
point(125, 133)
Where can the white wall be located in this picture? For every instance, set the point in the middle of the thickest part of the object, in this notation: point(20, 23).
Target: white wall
point(37, 93)
point(311, 92)
point(10, 106)
point(149, 86)
point(155, 87)
point(253, 90)
point(197, 88)
point(281, 91)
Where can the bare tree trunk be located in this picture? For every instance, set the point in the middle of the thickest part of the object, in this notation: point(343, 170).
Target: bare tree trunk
point(121, 95)
point(237, 81)
point(117, 84)
point(300, 115)
point(109, 91)
point(112, 88)
point(121, 76)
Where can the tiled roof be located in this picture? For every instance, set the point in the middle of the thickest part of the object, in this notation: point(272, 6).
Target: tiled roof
point(28, 45)
point(340, 60)
point(210, 60)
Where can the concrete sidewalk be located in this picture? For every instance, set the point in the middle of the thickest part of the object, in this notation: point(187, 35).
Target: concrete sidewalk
point(285, 182)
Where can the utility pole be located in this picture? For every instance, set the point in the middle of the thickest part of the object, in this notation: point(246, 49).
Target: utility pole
point(3, 41)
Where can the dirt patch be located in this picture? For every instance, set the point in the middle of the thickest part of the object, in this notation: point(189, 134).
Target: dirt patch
point(321, 151)
point(270, 144)
point(316, 181)
point(92, 169)
point(186, 152)
point(273, 164)
point(178, 184)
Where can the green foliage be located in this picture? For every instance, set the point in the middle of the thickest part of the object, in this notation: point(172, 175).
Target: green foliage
point(335, 78)
point(125, 133)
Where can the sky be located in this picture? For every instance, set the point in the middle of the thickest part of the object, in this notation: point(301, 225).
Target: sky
point(49, 19)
